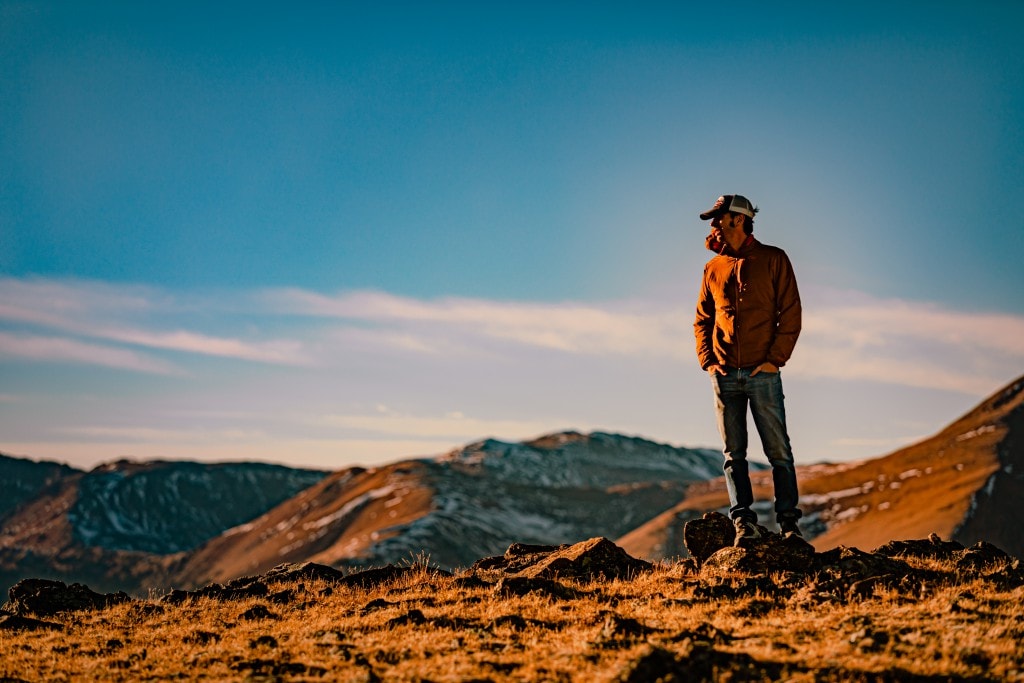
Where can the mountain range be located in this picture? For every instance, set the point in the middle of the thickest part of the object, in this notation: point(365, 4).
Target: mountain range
point(126, 524)
point(470, 503)
point(153, 525)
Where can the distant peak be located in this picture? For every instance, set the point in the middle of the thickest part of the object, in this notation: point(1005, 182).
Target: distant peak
point(485, 445)
point(556, 439)
point(120, 465)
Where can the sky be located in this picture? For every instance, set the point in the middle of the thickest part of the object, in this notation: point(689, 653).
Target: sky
point(336, 234)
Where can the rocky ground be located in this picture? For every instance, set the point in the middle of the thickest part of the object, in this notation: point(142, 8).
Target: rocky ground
point(918, 610)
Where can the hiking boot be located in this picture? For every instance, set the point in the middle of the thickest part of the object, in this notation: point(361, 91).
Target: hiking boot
point(745, 530)
point(789, 526)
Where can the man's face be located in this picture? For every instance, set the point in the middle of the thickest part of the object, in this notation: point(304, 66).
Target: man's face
point(725, 225)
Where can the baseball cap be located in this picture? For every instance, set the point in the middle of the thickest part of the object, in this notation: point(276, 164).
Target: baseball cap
point(734, 203)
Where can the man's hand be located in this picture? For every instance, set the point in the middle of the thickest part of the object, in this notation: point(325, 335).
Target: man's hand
point(716, 370)
point(764, 367)
point(714, 241)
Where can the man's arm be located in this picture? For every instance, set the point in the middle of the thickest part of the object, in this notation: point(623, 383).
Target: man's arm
point(789, 314)
point(704, 325)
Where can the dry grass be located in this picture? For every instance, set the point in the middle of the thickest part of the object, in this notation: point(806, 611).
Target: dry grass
point(427, 627)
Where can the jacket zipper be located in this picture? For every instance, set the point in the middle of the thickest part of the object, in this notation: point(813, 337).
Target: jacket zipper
point(736, 321)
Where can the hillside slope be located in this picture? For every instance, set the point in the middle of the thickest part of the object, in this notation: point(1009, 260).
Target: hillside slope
point(21, 480)
point(124, 523)
point(467, 504)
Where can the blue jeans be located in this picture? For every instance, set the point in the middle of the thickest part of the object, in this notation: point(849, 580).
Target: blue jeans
point(763, 392)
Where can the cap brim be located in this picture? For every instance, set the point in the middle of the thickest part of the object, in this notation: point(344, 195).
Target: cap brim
point(718, 208)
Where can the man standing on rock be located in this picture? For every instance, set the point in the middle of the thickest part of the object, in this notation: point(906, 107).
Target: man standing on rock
point(748, 320)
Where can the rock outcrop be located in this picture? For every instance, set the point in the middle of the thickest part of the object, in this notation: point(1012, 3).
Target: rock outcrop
point(722, 571)
point(847, 572)
point(257, 586)
point(44, 598)
point(595, 558)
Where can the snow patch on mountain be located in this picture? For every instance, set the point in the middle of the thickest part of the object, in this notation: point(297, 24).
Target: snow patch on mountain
point(573, 460)
point(560, 488)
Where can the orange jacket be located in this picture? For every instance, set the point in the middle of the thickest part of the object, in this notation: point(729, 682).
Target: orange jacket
point(748, 310)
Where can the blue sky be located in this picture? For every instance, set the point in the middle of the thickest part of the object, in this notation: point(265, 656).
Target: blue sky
point(328, 233)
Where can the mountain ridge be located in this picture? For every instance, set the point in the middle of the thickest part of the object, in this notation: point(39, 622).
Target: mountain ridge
point(129, 520)
point(475, 500)
point(470, 502)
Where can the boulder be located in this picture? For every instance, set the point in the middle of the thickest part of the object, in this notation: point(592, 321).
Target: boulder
point(851, 573)
point(519, 556)
point(45, 597)
point(594, 558)
point(705, 536)
point(770, 553)
point(305, 571)
point(240, 589)
point(932, 547)
point(981, 556)
point(13, 622)
point(597, 557)
point(853, 564)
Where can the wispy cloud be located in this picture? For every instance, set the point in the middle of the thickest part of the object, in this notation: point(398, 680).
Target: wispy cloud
point(620, 328)
point(865, 322)
point(846, 336)
point(917, 344)
point(284, 352)
point(104, 312)
point(452, 426)
point(881, 364)
point(60, 350)
point(458, 369)
point(47, 299)
point(161, 435)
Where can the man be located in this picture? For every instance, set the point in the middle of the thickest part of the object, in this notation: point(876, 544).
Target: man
point(748, 320)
